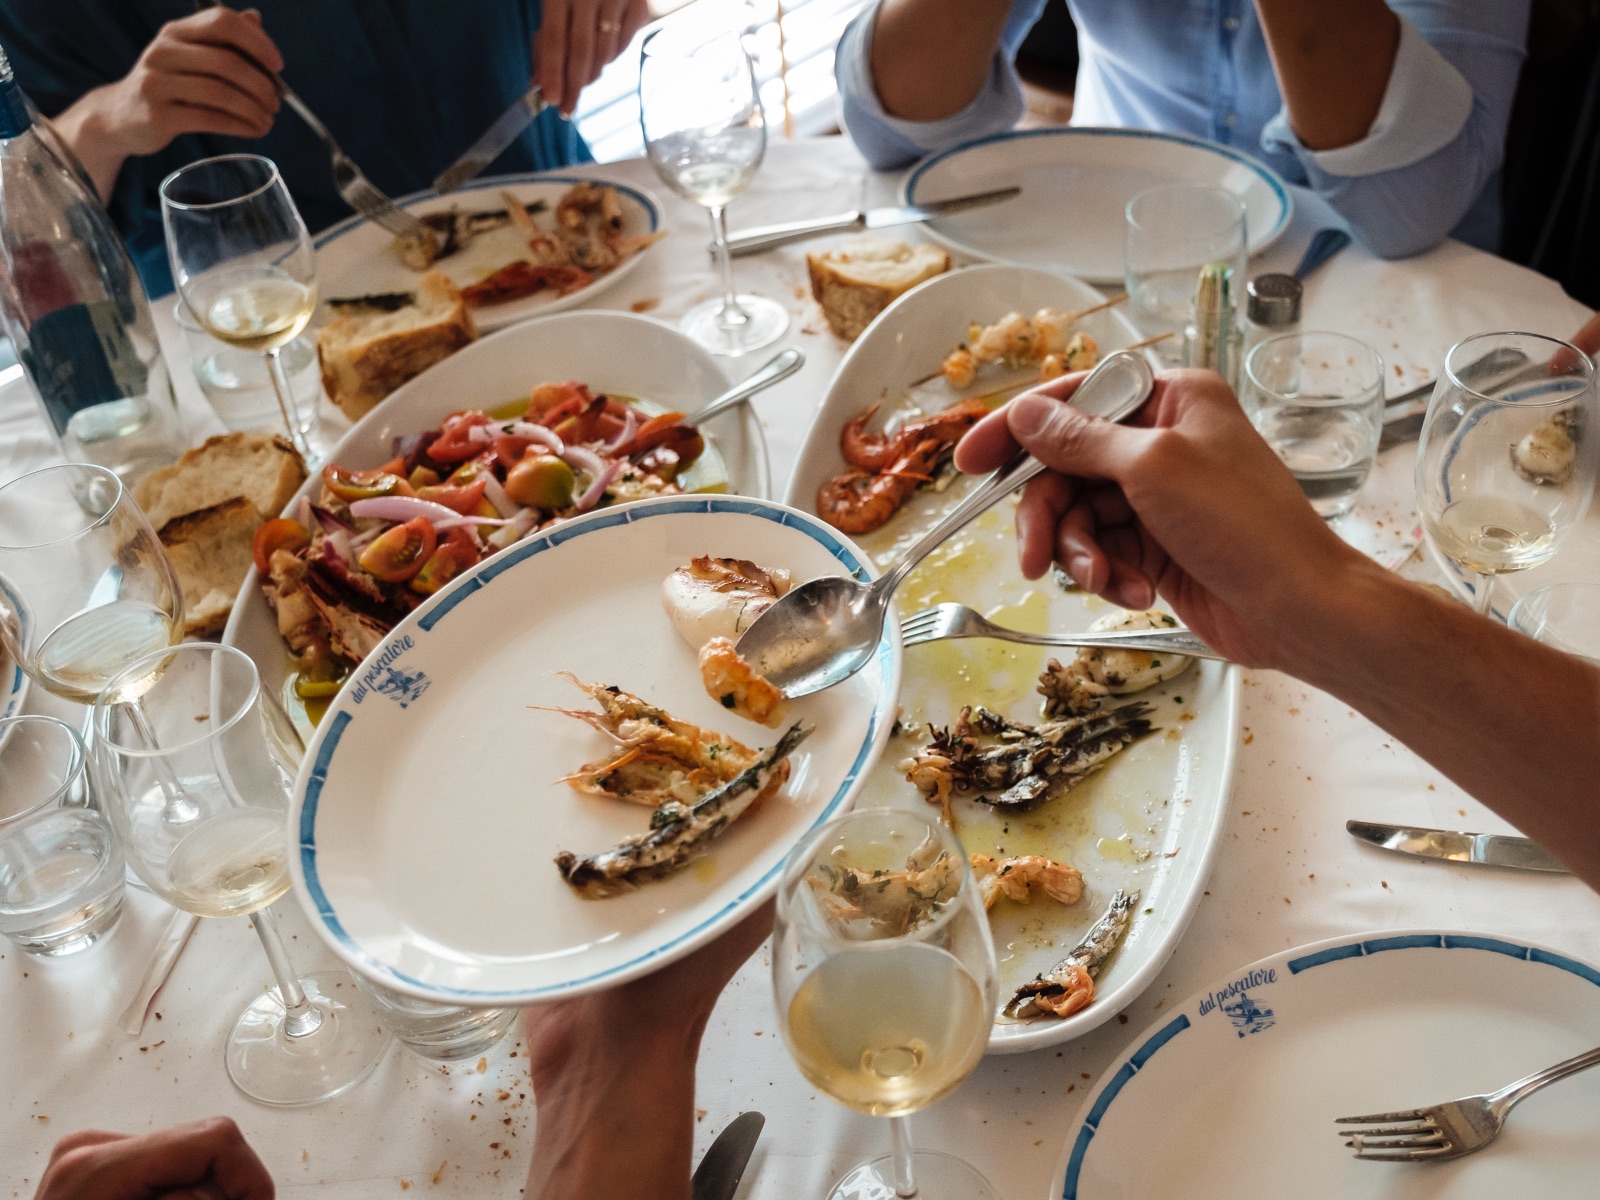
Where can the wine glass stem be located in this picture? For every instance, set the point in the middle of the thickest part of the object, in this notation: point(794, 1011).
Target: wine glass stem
point(731, 316)
point(905, 1183)
point(1483, 599)
point(300, 1016)
point(286, 408)
point(179, 807)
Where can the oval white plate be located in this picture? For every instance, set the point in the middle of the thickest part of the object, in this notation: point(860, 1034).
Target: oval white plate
point(1167, 794)
point(1237, 1093)
point(357, 258)
point(616, 352)
point(428, 808)
point(1076, 184)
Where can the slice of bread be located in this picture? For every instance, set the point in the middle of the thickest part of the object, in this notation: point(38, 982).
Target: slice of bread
point(210, 550)
point(367, 352)
point(262, 467)
point(858, 280)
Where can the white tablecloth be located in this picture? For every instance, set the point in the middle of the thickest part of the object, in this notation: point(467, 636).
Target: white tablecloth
point(1287, 873)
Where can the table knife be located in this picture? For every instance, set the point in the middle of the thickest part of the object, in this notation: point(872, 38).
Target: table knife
point(1490, 849)
point(492, 144)
point(717, 1177)
point(1403, 415)
point(765, 237)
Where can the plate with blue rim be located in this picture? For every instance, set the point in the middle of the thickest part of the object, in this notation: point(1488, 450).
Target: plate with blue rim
point(430, 804)
point(358, 258)
point(1076, 183)
point(1235, 1091)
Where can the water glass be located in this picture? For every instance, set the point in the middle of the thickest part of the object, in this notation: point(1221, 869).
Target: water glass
point(1173, 231)
point(1317, 399)
point(1565, 616)
point(61, 870)
point(441, 1032)
point(237, 382)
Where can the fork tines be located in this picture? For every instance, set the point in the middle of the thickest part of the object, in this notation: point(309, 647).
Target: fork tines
point(1409, 1136)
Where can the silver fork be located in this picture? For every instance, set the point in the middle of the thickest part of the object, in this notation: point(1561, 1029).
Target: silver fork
point(358, 191)
point(1453, 1128)
point(958, 621)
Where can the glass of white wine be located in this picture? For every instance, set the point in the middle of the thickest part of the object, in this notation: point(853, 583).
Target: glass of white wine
point(1507, 459)
point(706, 135)
point(244, 264)
point(884, 974)
point(205, 725)
point(85, 585)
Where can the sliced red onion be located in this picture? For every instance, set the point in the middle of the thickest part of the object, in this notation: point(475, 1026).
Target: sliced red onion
point(514, 530)
point(591, 495)
point(407, 444)
point(584, 460)
point(630, 426)
point(457, 519)
point(402, 508)
point(538, 433)
point(336, 546)
point(480, 435)
point(302, 511)
point(496, 495)
point(330, 520)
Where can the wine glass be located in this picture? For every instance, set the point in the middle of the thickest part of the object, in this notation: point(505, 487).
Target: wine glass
point(1507, 459)
point(244, 265)
point(705, 134)
point(206, 723)
point(85, 585)
point(885, 985)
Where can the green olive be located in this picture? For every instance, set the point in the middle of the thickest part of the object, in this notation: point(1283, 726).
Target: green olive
point(541, 481)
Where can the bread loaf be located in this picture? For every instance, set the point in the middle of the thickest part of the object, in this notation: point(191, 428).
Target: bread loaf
point(262, 467)
point(858, 280)
point(210, 550)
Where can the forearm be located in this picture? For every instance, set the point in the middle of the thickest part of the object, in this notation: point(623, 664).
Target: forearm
point(1333, 63)
point(88, 127)
point(1513, 722)
point(930, 58)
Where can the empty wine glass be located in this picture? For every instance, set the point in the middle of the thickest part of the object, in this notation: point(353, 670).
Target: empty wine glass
point(1507, 458)
point(205, 725)
point(884, 974)
point(705, 134)
point(244, 264)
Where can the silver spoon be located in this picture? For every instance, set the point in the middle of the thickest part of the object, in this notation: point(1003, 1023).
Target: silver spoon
point(826, 630)
point(779, 366)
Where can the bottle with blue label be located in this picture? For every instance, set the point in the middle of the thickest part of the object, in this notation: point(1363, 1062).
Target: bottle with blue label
point(73, 307)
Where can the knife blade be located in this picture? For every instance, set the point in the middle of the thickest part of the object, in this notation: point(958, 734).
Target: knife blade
point(717, 1177)
point(495, 139)
point(765, 237)
point(1488, 849)
point(1403, 415)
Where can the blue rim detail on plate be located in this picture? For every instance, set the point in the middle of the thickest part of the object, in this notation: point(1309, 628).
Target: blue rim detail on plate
point(1265, 173)
point(644, 201)
point(340, 720)
point(1359, 948)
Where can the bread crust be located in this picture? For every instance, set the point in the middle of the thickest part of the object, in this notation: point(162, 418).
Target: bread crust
point(210, 549)
point(855, 282)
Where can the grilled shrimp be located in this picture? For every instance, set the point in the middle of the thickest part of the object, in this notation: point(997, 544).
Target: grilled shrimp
point(1068, 987)
point(633, 723)
point(1016, 878)
point(859, 502)
point(734, 683)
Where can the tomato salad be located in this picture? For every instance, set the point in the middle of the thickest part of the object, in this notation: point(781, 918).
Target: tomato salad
point(346, 568)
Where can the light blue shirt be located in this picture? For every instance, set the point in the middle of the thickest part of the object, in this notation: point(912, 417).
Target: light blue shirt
point(1428, 167)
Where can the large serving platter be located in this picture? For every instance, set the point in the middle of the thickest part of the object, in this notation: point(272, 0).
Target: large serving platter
point(1076, 183)
point(1152, 819)
point(430, 804)
point(1235, 1091)
point(612, 352)
point(358, 258)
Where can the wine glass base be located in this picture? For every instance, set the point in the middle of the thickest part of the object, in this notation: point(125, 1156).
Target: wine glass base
point(939, 1177)
point(766, 322)
point(272, 1068)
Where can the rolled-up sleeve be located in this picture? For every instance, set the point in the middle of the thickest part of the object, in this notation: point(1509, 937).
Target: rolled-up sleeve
point(886, 141)
point(1439, 136)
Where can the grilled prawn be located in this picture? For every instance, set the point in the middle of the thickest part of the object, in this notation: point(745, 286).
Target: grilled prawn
point(1068, 986)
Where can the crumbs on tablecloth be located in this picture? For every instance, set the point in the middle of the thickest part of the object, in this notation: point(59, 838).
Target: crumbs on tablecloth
point(644, 306)
point(439, 1174)
point(483, 1065)
point(700, 1114)
point(405, 1185)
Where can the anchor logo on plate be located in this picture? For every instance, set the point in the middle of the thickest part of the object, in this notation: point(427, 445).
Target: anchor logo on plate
point(402, 687)
point(1248, 1016)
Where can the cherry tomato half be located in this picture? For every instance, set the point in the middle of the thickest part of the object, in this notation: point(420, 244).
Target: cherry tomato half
point(364, 485)
point(280, 533)
point(455, 442)
point(552, 401)
point(422, 477)
point(399, 553)
point(454, 555)
point(541, 480)
point(463, 499)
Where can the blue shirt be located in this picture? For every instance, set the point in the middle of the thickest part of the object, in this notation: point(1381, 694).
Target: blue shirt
point(1428, 166)
point(404, 86)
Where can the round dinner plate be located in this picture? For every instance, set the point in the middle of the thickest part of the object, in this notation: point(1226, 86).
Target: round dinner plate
point(358, 258)
point(1234, 1092)
point(1076, 183)
point(430, 803)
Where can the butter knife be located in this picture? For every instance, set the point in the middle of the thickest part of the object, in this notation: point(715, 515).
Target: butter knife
point(765, 237)
point(492, 144)
point(1489, 849)
point(717, 1177)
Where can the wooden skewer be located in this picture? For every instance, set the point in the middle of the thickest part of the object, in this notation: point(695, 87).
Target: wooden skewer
point(1072, 319)
point(1151, 341)
point(1013, 389)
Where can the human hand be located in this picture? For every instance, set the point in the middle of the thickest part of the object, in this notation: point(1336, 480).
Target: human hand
point(578, 37)
point(204, 1160)
point(1184, 500)
point(1587, 339)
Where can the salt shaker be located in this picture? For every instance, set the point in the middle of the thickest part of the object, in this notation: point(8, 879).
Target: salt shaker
point(1272, 306)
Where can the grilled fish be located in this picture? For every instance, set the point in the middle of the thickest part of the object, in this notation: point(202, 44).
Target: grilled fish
point(1068, 986)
